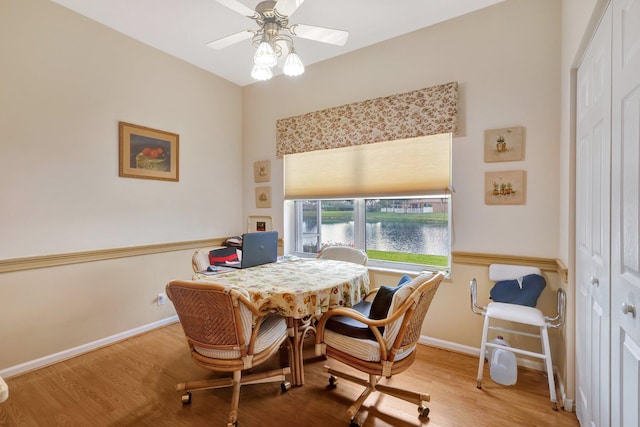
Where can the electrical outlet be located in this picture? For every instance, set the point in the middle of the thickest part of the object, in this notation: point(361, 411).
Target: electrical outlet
point(162, 298)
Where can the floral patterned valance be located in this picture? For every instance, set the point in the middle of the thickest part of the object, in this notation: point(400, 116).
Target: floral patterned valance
point(429, 111)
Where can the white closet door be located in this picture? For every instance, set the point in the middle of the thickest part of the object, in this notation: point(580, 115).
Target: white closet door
point(593, 174)
point(625, 208)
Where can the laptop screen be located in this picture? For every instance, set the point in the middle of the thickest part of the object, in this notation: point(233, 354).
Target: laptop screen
point(259, 248)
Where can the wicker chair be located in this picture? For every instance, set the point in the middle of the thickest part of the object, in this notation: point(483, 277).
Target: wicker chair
point(381, 353)
point(200, 259)
point(226, 333)
point(344, 253)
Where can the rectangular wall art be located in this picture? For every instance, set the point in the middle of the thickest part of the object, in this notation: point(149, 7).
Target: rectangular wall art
point(263, 197)
point(504, 145)
point(262, 171)
point(259, 223)
point(148, 153)
point(505, 188)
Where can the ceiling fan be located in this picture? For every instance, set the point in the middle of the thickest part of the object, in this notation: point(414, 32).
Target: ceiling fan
point(275, 35)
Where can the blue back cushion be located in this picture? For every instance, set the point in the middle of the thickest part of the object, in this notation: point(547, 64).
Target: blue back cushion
point(384, 296)
point(509, 291)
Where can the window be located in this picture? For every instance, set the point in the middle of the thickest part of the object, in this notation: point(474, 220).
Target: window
point(390, 199)
point(394, 232)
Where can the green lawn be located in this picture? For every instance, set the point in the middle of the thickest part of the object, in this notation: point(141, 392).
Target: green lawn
point(435, 260)
point(340, 216)
point(329, 217)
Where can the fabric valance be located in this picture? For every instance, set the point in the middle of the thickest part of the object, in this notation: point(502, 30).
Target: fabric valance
point(428, 111)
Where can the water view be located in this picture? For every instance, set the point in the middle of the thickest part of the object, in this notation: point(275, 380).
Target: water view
point(409, 237)
point(413, 230)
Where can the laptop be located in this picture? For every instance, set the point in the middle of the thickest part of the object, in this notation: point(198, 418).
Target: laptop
point(257, 249)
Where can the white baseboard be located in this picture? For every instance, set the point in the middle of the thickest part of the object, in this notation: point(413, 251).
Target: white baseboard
point(448, 345)
point(474, 351)
point(72, 352)
point(567, 403)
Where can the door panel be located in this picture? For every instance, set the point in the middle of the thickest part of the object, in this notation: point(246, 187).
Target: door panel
point(625, 237)
point(593, 154)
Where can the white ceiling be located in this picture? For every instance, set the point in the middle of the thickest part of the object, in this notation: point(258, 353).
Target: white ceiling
point(183, 27)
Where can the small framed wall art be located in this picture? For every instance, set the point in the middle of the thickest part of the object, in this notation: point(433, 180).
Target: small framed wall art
point(148, 153)
point(504, 145)
point(259, 223)
point(263, 197)
point(505, 188)
point(262, 171)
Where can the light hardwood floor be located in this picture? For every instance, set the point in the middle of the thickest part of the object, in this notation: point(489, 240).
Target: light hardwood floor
point(132, 383)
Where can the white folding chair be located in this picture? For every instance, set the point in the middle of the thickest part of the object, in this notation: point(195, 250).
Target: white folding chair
point(344, 253)
point(519, 314)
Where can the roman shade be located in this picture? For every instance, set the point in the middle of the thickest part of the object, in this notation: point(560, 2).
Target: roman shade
point(417, 166)
point(428, 111)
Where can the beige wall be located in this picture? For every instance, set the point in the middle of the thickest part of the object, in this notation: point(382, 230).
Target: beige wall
point(66, 82)
point(506, 59)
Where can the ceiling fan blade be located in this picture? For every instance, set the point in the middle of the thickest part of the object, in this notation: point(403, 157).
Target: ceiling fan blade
point(287, 7)
point(321, 34)
point(229, 40)
point(236, 6)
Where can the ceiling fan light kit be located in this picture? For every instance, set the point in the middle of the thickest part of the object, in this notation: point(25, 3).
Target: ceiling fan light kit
point(265, 55)
point(261, 73)
point(275, 34)
point(293, 66)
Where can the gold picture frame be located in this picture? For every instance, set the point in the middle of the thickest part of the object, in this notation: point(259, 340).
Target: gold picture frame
point(259, 223)
point(262, 171)
point(505, 188)
point(147, 153)
point(263, 197)
point(504, 145)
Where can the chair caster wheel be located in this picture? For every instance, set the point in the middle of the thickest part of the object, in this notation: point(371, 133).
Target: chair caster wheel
point(423, 411)
point(285, 386)
point(186, 398)
point(354, 423)
point(333, 381)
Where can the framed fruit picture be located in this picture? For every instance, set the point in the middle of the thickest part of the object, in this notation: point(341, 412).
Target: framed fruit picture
point(148, 153)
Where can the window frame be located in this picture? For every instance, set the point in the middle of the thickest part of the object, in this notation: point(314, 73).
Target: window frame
point(360, 231)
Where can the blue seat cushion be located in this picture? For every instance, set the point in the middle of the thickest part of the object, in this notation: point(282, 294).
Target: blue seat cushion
point(375, 310)
point(350, 327)
point(509, 291)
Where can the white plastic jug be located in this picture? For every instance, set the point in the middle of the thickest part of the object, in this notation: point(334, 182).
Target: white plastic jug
point(497, 340)
point(503, 367)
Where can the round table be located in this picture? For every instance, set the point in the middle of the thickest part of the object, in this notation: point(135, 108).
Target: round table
point(298, 289)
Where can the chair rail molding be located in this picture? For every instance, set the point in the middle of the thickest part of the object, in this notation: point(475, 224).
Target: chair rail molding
point(29, 263)
point(545, 264)
point(42, 261)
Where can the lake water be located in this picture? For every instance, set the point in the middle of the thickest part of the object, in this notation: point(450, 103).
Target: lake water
point(432, 239)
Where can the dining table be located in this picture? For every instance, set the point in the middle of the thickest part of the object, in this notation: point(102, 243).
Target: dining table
point(299, 289)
